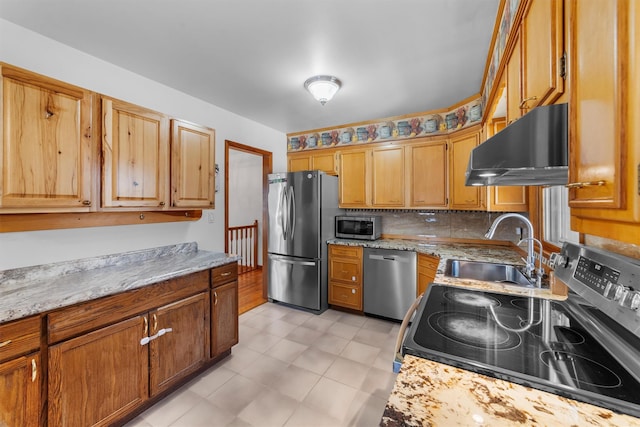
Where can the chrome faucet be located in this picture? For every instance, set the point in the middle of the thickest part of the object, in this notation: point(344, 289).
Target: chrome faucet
point(530, 262)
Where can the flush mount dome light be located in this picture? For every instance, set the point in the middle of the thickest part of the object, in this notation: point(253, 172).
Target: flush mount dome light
point(322, 87)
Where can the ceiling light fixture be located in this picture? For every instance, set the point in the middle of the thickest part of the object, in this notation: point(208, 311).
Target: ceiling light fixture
point(322, 87)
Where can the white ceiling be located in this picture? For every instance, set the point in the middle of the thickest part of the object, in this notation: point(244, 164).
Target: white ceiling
point(252, 57)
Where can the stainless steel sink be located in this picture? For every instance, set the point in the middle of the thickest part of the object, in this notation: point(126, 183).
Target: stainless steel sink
point(486, 271)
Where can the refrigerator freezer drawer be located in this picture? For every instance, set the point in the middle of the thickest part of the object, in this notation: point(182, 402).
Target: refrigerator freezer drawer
point(295, 281)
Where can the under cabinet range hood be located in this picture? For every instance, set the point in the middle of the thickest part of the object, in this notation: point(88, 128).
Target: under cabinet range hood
point(533, 150)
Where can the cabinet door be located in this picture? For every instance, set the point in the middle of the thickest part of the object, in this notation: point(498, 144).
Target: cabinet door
point(463, 197)
point(192, 165)
point(427, 269)
point(513, 87)
point(324, 161)
point(604, 134)
point(224, 319)
point(345, 276)
point(428, 174)
point(508, 198)
point(98, 377)
point(20, 391)
point(299, 162)
point(388, 176)
point(135, 168)
point(181, 344)
point(354, 182)
point(542, 49)
point(46, 144)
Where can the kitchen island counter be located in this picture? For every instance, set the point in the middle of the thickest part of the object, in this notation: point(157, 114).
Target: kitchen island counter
point(428, 393)
point(34, 290)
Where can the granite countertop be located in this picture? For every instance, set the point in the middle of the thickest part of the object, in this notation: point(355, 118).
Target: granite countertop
point(33, 290)
point(428, 393)
point(463, 251)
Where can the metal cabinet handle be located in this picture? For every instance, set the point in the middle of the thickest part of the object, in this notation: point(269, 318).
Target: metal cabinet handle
point(155, 323)
point(7, 342)
point(215, 298)
point(34, 370)
point(523, 104)
point(586, 184)
point(228, 273)
point(146, 325)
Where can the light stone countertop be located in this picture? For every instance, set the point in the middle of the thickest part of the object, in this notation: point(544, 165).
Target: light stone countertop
point(428, 393)
point(462, 251)
point(33, 290)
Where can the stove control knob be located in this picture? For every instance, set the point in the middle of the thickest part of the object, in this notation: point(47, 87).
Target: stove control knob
point(609, 290)
point(632, 300)
point(558, 260)
point(619, 293)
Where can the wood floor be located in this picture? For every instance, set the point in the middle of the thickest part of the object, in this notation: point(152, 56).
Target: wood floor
point(250, 290)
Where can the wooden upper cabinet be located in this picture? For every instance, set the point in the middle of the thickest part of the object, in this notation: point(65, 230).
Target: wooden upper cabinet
point(427, 180)
point(192, 165)
point(323, 160)
point(542, 50)
point(355, 176)
point(299, 162)
point(47, 148)
point(463, 197)
point(135, 151)
point(513, 78)
point(604, 134)
point(388, 176)
point(505, 198)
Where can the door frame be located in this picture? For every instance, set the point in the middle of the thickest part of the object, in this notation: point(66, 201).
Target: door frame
point(267, 168)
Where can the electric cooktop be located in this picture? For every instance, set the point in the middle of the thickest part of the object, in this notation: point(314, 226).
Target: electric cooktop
point(557, 346)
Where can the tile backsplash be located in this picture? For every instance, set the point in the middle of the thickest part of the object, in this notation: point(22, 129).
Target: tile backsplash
point(447, 224)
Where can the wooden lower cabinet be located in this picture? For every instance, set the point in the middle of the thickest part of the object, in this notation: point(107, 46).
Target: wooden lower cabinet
point(427, 269)
point(135, 346)
point(345, 276)
point(183, 347)
point(20, 396)
point(97, 378)
point(224, 317)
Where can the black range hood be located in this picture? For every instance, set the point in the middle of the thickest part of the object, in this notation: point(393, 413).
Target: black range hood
point(533, 150)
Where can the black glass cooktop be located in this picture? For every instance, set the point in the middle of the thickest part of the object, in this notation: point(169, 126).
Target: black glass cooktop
point(530, 341)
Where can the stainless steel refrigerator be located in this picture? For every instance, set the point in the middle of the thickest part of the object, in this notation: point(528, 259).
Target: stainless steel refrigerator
point(302, 207)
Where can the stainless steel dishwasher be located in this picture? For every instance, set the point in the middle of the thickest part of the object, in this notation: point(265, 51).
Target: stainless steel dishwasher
point(389, 281)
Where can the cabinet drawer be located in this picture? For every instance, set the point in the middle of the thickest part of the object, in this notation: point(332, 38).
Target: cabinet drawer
point(224, 274)
point(345, 296)
point(346, 271)
point(71, 321)
point(345, 251)
point(19, 337)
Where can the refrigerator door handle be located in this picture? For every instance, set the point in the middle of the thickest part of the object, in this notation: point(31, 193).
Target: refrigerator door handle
point(293, 262)
point(293, 208)
point(281, 208)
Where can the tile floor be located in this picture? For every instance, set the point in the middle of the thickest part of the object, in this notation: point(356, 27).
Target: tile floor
point(291, 368)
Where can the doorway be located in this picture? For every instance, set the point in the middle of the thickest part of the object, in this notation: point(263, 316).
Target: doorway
point(246, 171)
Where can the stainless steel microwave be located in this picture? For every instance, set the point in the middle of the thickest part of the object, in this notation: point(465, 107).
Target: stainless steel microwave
point(359, 227)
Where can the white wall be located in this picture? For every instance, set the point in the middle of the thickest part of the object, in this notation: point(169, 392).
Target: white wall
point(245, 191)
point(29, 50)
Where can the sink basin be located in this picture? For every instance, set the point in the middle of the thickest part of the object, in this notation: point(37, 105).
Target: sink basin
point(486, 271)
